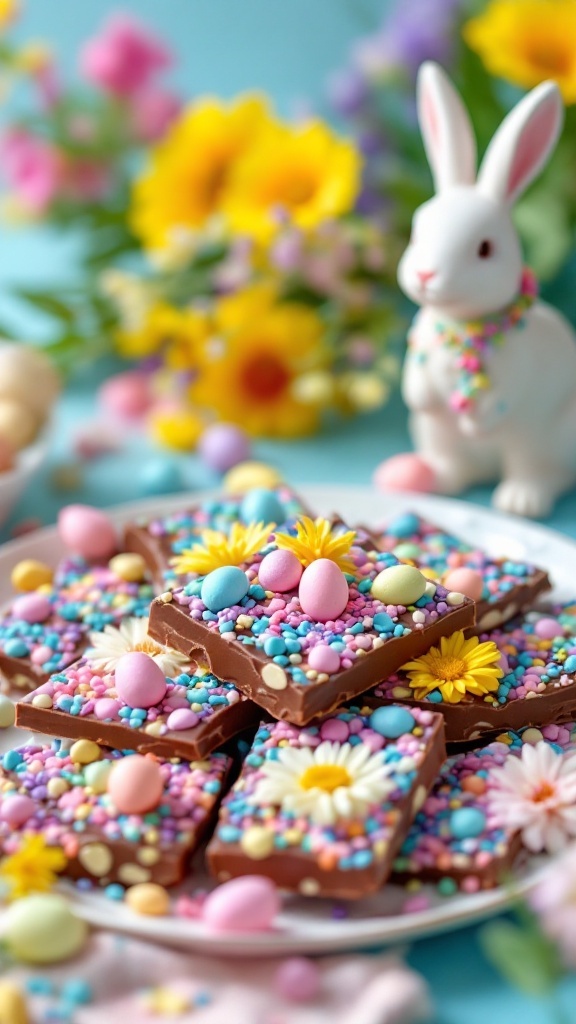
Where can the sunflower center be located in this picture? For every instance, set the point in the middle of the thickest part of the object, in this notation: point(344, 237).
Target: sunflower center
point(447, 668)
point(550, 58)
point(543, 792)
point(265, 377)
point(290, 186)
point(325, 776)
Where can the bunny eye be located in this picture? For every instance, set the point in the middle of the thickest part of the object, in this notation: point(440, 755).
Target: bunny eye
point(485, 249)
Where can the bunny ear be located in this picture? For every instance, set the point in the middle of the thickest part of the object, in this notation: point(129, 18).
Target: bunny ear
point(522, 144)
point(446, 129)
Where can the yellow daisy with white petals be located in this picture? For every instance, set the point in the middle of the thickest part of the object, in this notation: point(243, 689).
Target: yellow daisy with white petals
point(106, 648)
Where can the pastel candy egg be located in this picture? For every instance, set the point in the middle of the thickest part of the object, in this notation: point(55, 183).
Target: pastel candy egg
point(96, 775)
point(16, 810)
point(323, 590)
point(223, 446)
point(85, 752)
point(247, 904)
point(548, 629)
point(32, 608)
point(160, 476)
point(280, 571)
point(126, 394)
point(128, 566)
point(182, 718)
point(7, 712)
point(465, 581)
point(406, 551)
point(399, 585)
point(392, 721)
point(41, 654)
point(139, 681)
point(42, 929)
point(30, 574)
point(298, 979)
point(404, 525)
point(261, 505)
point(224, 587)
point(404, 472)
point(467, 822)
point(148, 898)
point(324, 659)
point(87, 531)
point(135, 784)
point(247, 475)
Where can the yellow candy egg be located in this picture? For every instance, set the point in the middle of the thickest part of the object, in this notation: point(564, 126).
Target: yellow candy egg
point(148, 898)
point(128, 566)
point(246, 475)
point(13, 1008)
point(85, 751)
point(30, 574)
point(257, 842)
point(42, 929)
point(399, 585)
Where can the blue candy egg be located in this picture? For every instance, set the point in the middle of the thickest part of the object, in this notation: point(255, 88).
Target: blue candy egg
point(261, 506)
point(16, 648)
point(224, 587)
point(392, 721)
point(467, 823)
point(160, 476)
point(404, 525)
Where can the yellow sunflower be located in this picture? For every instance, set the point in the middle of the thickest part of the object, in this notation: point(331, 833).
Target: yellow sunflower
point(178, 333)
point(248, 375)
point(188, 171)
point(34, 866)
point(457, 668)
point(306, 175)
point(217, 549)
point(317, 539)
point(528, 41)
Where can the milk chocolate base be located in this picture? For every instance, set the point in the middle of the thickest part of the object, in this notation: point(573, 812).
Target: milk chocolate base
point(494, 874)
point(155, 551)
point(172, 625)
point(490, 614)
point(20, 674)
point(297, 871)
point(192, 744)
point(472, 720)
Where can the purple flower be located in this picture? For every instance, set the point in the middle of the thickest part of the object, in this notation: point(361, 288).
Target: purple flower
point(414, 31)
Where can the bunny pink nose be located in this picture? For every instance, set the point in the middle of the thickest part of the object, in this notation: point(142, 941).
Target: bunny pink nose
point(425, 275)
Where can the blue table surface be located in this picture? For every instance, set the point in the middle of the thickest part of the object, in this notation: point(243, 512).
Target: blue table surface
point(465, 988)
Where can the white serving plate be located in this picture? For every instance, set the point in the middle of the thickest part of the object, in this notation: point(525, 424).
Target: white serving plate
point(309, 925)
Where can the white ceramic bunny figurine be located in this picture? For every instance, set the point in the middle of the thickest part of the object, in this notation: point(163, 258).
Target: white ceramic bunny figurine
point(490, 374)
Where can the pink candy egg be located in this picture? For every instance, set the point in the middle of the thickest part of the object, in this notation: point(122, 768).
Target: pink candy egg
point(280, 571)
point(182, 718)
point(87, 531)
point(323, 590)
point(465, 581)
point(126, 394)
point(247, 904)
point(135, 785)
point(32, 608)
point(548, 628)
point(298, 979)
point(139, 681)
point(106, 707)
point(406, 472)
point(41, 654)
point(324, 659)
point(17, 809)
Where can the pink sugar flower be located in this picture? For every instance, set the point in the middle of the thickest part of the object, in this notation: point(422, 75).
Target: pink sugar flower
point(124, 57)
point(536, 795)
point(152, 113)
point(554, 900)
point(32, 167)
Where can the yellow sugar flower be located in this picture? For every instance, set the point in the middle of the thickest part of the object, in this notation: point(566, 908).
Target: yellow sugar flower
point(188, 171)
point(34, 866)
point(178, 333)
point(218, 549)
point(307, 175)
point(261, 348)
point(315, 538)
point(528, 41)
point(457, 668)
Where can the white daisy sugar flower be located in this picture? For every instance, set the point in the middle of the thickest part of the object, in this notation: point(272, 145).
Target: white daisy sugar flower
point(106, 648)
point(334, 781)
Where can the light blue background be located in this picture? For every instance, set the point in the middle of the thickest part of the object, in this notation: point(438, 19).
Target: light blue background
point(288, 48)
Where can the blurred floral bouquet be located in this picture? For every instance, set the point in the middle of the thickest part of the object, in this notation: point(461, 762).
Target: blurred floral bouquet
point(247, 263)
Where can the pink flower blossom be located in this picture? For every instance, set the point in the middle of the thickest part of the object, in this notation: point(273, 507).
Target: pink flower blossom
point(554, 900)
point(536, 795)
point(32, 167)
point(86, 179)
point(153, 111)
point(124, 57)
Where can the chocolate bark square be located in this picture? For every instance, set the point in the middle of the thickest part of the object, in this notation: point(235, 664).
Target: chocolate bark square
point(323, 810)
point(268, 646)
point(508, 585)
point(101, 844)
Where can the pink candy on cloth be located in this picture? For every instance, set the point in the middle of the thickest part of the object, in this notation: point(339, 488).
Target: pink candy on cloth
point(350, 989)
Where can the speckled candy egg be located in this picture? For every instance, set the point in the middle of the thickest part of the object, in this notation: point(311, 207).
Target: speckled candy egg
point(87, 531)
point(261, 505)
point(224, 587)
point(280, 571)
point(399, 585)
point(247, 904)
point(139, 681)
point(42, 929)
point(135, 784)
point(323, 590)
point(465, 581)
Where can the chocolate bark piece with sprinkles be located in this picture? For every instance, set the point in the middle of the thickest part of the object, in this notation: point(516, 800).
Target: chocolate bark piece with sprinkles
point(323, 810)
point(69, 809)
point(508, 585)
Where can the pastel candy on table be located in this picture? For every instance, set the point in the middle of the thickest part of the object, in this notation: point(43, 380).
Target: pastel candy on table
point(501, 586)
point(455, 840)
point(173, 708)
point(135, 843)
point(322, 810)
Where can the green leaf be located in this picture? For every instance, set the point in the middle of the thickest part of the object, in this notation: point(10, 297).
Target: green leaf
point(525, 957)
point(47, 303)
